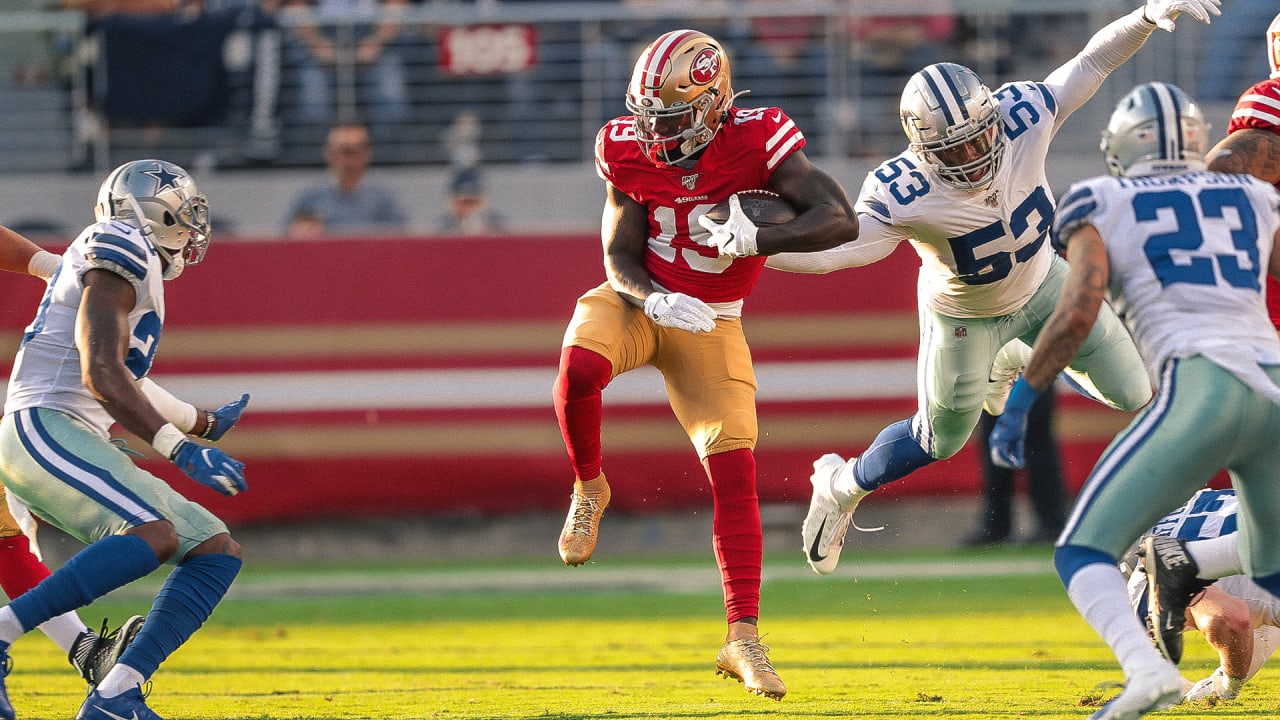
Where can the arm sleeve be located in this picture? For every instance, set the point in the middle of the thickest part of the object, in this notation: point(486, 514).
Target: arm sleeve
point(875, 241)
point(180, 413)
point(1080, 77)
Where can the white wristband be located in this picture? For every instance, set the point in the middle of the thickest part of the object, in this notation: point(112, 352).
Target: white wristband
point(44, 264)
point(167, 439)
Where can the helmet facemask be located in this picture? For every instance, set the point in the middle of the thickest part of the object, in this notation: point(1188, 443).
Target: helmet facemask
point(953, 123)
point(680, 93)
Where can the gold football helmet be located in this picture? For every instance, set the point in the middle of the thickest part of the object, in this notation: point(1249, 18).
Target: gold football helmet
point(680, 93)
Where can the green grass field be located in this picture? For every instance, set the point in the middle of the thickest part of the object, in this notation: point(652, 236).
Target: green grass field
point(950, 637)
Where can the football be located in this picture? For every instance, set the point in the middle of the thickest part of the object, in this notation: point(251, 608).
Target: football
point(761, 207)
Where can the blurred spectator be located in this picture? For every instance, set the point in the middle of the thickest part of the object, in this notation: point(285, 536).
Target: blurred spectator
point(468, 211)
point(101, 8)
point(886, 50)
point(462, 140)
point(253, 56)
point(1233, 59)
point(346, 204)
point(1045, 486)
point(783, 63)
point(349, 63)
point(221, 71)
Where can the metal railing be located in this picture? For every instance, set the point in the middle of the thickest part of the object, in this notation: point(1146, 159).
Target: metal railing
point(517, 82)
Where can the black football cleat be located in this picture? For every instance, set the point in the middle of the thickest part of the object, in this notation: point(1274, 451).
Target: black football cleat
point(1172, 586)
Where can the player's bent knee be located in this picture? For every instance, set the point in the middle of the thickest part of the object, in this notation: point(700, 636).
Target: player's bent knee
point(220, 544)
point(1130, 402)
point(945, 447)
point(160, 535)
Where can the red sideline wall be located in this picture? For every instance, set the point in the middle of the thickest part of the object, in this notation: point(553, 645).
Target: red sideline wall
point(471, 327)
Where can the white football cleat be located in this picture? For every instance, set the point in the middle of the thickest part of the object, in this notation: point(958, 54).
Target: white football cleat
point(1010, 361)
point(1157, 688)
point(1217, 685)
point(827, 522)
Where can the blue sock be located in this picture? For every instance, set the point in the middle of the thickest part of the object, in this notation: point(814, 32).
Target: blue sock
point(187, 599)
point(1270, 582)
point(893, 455)
point(98, 569)
point(1068, 560)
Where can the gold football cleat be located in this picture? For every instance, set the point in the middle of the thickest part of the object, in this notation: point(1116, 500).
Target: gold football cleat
point(747, 661)
point(578, 538)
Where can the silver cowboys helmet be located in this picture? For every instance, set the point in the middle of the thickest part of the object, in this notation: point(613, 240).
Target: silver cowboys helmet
point(954, 124)
point(1155, 129)
point(162, 200)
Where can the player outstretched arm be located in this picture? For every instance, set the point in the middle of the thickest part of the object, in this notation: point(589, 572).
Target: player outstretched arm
point(1079, 78)
point(20, 255)
point(874, 243)
point(1249, 152)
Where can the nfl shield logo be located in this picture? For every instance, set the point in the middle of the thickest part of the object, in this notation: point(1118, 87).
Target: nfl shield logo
point(688, 181)
point(962, 332)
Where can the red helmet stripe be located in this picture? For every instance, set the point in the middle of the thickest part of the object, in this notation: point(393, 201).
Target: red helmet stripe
point(658, 58)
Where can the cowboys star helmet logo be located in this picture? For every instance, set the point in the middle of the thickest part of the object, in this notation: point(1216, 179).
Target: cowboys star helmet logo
point(164, 178)
point(688, 181)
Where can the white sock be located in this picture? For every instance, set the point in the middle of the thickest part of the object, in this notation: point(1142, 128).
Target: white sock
point(64, 629)
point(1099, 594)
point(844, 487)
point(10, 628)
point(119, 679)
point(1216, 557)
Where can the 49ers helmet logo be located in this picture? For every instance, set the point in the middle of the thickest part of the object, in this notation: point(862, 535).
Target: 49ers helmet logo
point(705, 66)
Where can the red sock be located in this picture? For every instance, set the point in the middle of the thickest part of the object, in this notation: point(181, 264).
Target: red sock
point(20, 569)
point(577, 393)
point(737, 536)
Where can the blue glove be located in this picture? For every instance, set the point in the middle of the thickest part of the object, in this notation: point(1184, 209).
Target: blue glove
point(223, 419)
point(1009, 436)
point(210, 467)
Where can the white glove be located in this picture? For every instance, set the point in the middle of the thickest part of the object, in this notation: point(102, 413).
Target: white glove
point(737, 236)
point(1226, 688)
point(680, 311)
point(1164, 12)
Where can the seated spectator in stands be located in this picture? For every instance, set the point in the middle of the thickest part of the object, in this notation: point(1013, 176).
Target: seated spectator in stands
point(468, 210)
point(348, 204)
point(350, 54)
point(885, 52)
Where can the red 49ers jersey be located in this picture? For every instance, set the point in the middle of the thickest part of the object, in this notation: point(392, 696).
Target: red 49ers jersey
point(742, 156)
point(1259, 109)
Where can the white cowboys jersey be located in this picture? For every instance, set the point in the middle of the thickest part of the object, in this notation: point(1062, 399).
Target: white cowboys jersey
point(1188, 254)
point(984, 253)
point(46, 372)
point(1208, 514)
